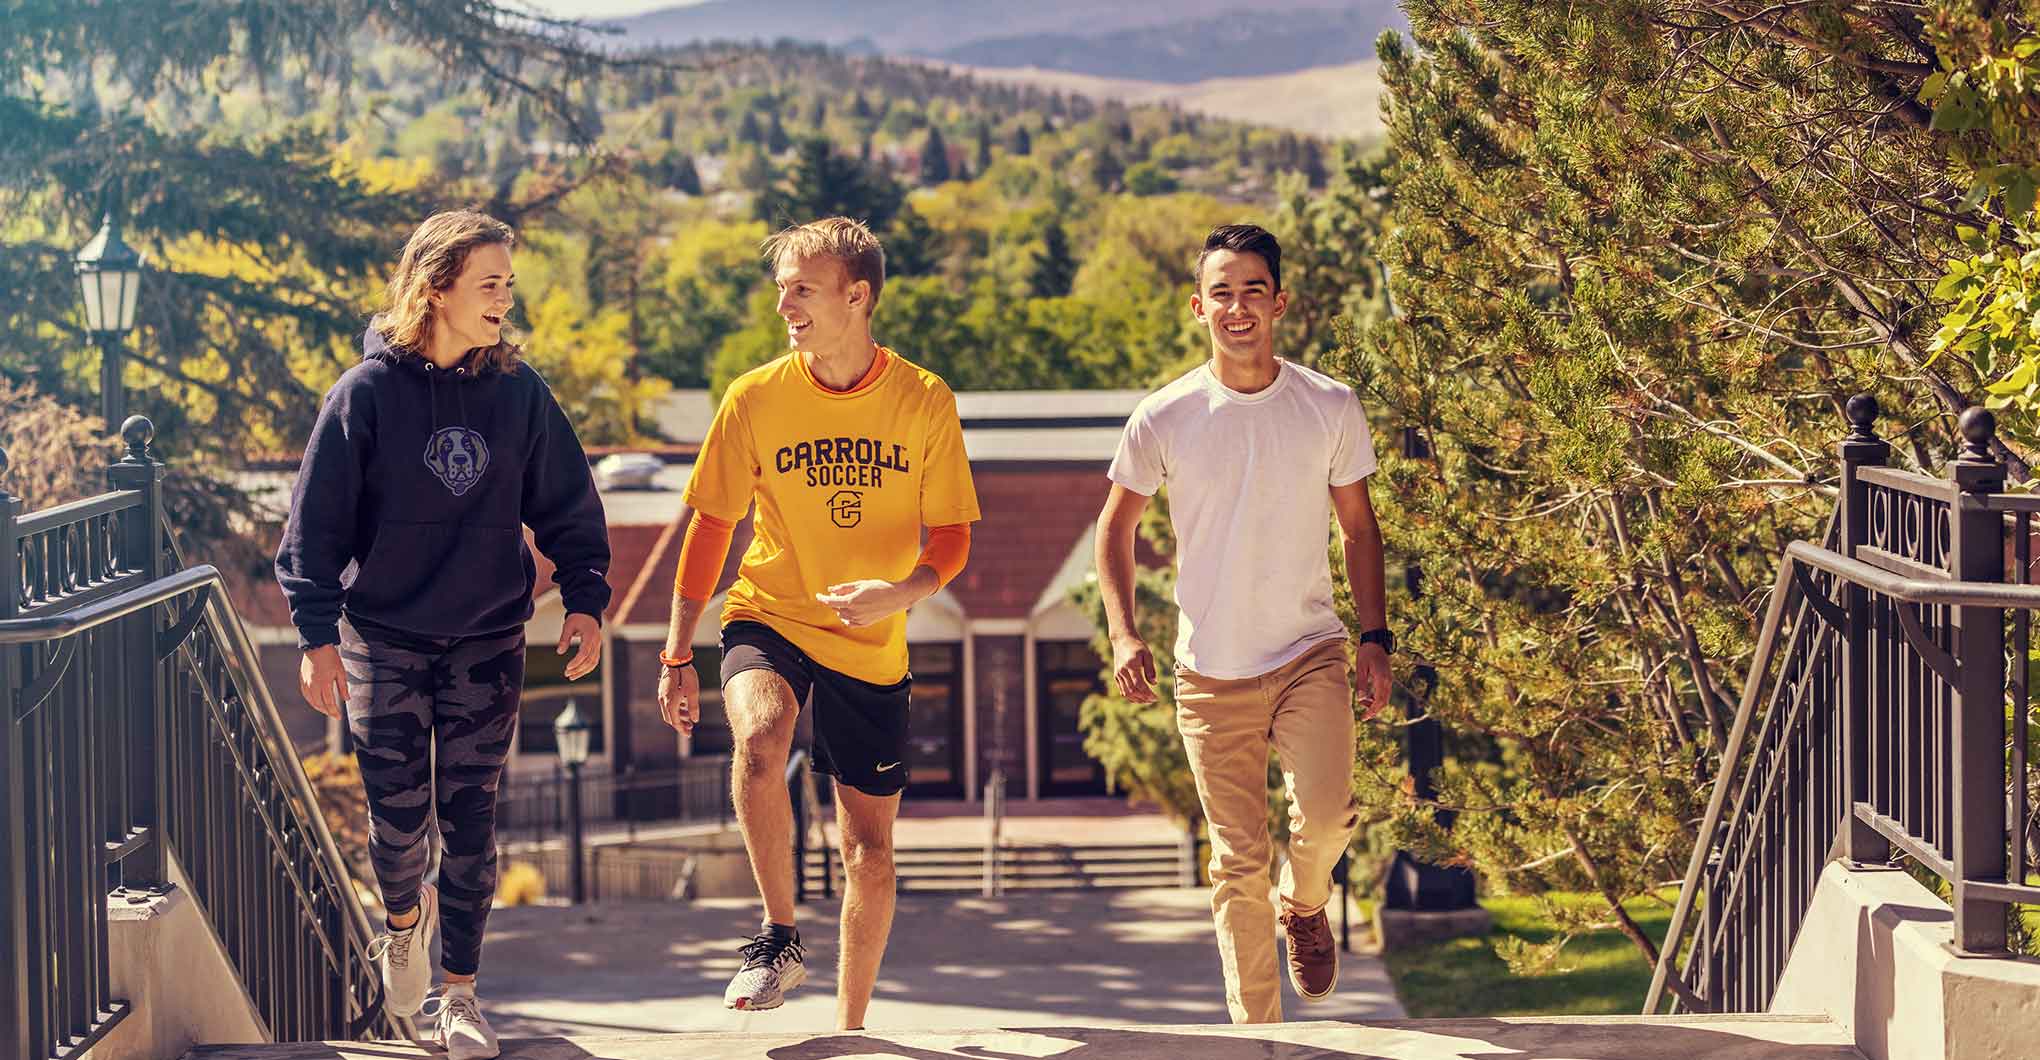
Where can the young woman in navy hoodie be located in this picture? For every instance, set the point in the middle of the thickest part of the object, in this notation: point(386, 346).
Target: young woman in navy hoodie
point(409, 581)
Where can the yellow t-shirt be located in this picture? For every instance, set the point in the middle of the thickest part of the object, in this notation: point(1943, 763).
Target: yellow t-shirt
point(844, 483)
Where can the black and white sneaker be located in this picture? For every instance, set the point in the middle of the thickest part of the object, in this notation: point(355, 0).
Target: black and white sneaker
point(773, 965)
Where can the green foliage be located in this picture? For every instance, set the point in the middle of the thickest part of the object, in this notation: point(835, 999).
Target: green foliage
point(1138, 744)
point(1986, 97)
point(934, 158)
point(1055, 268)
point(1548, 955)
point(822, 183)
point(1148, 178)
point(266, 227)
point(586, 358)
point(1637, 269)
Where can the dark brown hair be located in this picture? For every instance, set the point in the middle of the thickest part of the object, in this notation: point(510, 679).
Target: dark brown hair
point(1244, 239)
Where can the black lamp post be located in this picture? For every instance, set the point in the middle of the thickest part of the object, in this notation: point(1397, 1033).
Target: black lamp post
point(570, 731)
point(109, 279)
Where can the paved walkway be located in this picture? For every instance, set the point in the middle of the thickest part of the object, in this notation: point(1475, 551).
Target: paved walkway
point(1099, 958)
point(1577, 1038)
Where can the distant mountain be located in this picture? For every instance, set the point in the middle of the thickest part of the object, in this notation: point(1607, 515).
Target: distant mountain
point(1335, 101)
point(1191, 51)
point(1150, 41)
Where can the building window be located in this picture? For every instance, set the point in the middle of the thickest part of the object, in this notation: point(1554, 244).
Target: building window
point(1067, 672)
point(935, 721)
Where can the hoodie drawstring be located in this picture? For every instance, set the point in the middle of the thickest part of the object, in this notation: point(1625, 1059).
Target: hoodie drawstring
point(432, 383)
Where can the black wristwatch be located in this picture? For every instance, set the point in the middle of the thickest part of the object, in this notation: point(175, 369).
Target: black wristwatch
point(1381, 636)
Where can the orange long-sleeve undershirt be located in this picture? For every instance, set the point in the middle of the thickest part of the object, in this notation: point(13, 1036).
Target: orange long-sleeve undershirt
point(707, 545)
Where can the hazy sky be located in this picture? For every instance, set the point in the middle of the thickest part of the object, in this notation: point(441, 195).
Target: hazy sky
point(604, 8)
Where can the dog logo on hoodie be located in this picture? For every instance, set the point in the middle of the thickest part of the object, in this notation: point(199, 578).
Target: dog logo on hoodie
point(458, 456)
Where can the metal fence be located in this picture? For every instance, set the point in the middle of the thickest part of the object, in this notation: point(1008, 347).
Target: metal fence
point(533, 809)
point(134, 727)
point(1873, 723)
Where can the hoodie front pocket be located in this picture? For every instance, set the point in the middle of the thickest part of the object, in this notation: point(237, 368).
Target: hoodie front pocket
point(439, 577)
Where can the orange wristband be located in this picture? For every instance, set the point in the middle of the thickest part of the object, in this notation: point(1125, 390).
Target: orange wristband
point(670, 661)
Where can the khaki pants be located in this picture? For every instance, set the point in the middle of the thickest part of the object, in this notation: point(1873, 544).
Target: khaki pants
point(1305, 709)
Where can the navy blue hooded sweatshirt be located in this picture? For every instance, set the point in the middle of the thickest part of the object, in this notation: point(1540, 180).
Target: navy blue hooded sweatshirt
point(409, 510)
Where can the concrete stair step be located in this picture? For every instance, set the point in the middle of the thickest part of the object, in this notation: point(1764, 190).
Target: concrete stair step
point(1586, 1038)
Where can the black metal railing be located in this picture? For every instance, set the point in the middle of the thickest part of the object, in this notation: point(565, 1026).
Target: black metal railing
point(136, 735)
point(533, 808)
point(1873, 721)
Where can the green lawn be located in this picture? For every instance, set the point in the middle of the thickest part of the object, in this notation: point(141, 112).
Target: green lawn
point(1600, 973)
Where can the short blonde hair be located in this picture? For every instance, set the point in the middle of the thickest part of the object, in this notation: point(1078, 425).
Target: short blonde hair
point(432, 260)
point(842, 238)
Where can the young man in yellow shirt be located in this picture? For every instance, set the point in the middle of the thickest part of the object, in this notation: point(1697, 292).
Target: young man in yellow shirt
point(849, 451)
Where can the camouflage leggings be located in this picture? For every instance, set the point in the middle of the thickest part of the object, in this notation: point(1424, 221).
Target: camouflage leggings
point(402, 691)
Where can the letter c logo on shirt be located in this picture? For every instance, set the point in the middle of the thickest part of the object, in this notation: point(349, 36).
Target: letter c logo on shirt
point(846, 508)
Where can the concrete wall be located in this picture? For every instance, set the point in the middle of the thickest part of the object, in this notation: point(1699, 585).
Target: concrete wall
point(1874, 957)
point(649, 868)
point(164, 958)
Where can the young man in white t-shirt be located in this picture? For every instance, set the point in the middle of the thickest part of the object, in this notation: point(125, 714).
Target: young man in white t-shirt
point(1259, 455)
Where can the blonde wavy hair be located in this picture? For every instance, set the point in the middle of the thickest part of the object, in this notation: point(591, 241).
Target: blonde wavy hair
point(841, 238)
point(432, 260)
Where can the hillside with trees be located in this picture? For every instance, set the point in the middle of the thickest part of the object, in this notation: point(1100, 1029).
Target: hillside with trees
point(1036, 239)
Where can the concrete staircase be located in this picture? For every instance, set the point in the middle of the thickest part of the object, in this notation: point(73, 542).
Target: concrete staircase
point(1581, 1038)
point(1029, 866)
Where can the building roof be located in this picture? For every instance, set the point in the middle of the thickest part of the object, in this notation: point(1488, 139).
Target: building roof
point(629, 548)
point(684, 415)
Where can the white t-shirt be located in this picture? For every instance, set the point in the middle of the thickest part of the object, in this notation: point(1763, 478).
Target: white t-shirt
point(1249, 479)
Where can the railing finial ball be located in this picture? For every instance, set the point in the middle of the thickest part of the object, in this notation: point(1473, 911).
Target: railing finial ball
point(138, 432)
point(1862, 412)
point(1978, 427)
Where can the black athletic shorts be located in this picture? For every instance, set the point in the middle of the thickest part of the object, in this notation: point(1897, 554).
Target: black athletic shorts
point(860, 727)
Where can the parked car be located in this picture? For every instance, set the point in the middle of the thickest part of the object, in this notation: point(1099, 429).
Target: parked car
point(632, 471)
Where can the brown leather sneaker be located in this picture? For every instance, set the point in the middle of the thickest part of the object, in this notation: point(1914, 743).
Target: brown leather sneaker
point(1313, 955)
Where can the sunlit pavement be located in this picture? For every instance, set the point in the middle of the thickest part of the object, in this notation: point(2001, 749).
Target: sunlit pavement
point(1582, 1038)
point(1101, 958)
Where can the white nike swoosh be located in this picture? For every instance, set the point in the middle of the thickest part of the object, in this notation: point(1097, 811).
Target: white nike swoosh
point(887, 766)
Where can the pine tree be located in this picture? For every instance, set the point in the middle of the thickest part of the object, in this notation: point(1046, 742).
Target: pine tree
point(1106, 169)
point(1633, 266)
point(1054, 268)
point(285, 199)
point(679, 173)
point(1022, 143)
point(934, 158)
point(821, 183)
point(913, 247)
point(1314, 164)
point(984, 146)
point(748, 131)
point(776, 139)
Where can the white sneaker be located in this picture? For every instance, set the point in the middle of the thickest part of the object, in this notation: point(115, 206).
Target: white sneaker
point(772, 966)
point(406, 957)
point(462, 1030)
